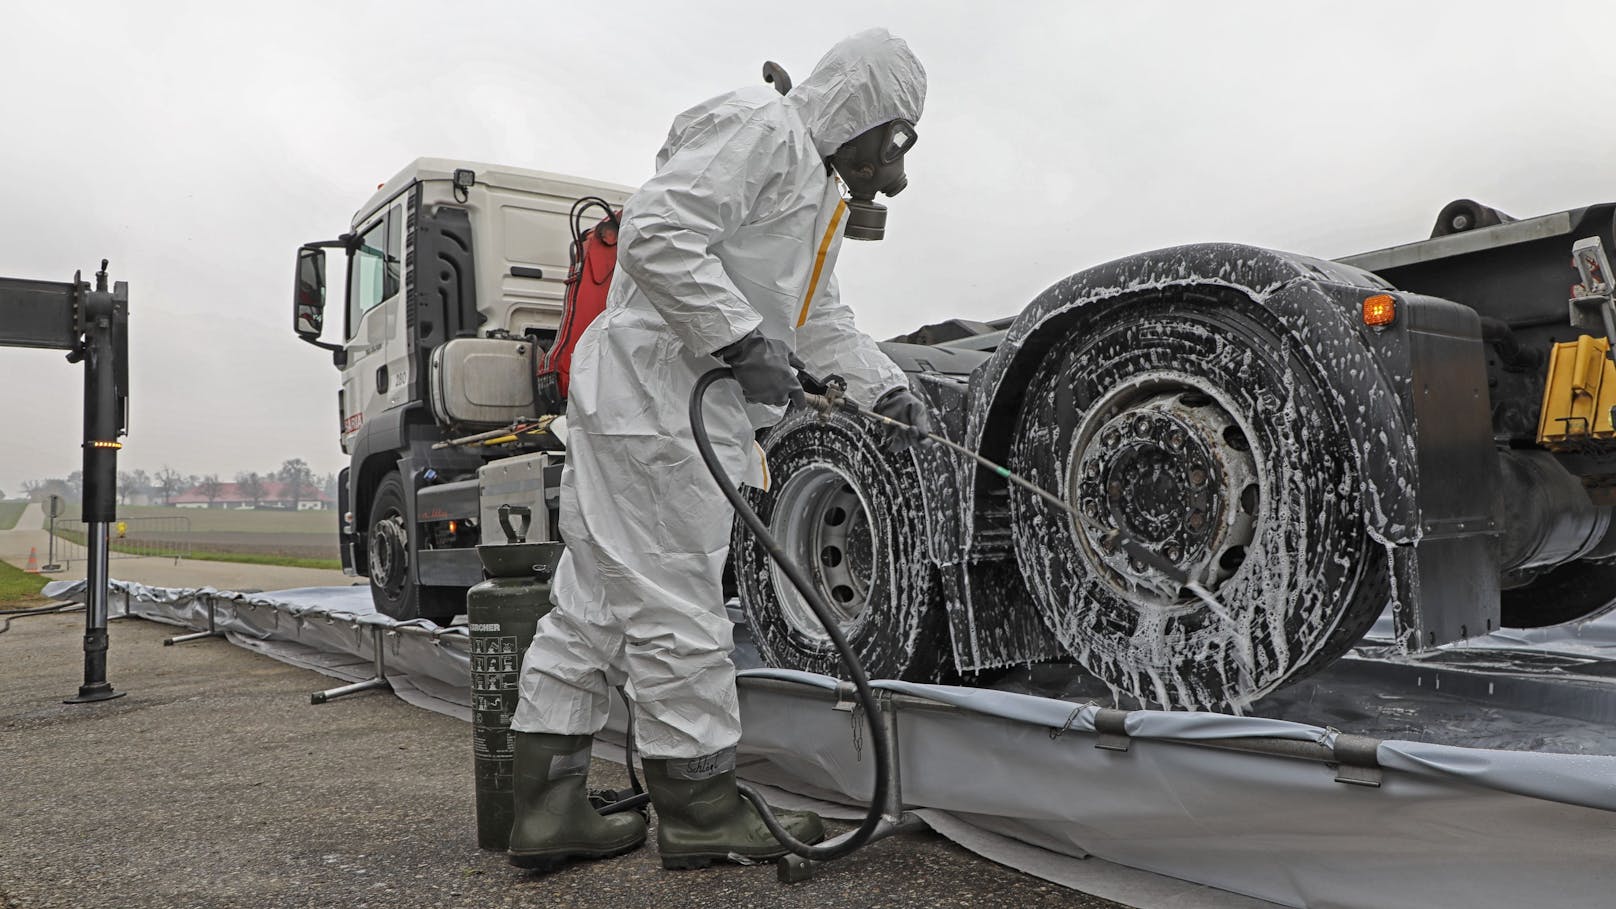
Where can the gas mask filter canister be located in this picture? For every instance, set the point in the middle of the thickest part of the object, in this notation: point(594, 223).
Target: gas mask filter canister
point(869, 163)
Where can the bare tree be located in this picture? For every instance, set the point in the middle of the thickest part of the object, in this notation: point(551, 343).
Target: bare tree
point(75, 486)
point(126, 486)
point(210, 487)
point(251, 485)
point(41, 490)
point(169, 483)
point(140, 483)
point(297, 476)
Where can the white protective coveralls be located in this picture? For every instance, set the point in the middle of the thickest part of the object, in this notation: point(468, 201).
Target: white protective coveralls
point(738, 229)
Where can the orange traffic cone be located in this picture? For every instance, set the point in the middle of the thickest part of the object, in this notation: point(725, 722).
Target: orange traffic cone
point(33, 561)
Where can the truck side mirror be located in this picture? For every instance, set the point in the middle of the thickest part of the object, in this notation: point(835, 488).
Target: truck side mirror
point(308, 304)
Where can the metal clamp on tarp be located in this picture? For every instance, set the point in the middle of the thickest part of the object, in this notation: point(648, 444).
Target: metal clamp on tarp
point(1110, 725)
point(846, 697)
point(1357, 760)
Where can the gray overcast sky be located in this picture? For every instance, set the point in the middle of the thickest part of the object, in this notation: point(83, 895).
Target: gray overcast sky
point(197, 144)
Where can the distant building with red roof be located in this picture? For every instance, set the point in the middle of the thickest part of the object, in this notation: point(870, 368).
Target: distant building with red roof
point(277, 495)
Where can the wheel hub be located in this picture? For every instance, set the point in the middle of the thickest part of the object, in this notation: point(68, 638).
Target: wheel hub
point(1164, 462)
point(824, 527)
point(389, 552)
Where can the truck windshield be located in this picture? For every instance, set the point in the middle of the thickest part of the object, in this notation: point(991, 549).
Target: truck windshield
point(373, 279)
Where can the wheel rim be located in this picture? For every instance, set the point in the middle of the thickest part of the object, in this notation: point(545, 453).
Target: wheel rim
point(824, 526)
point(1165, 459)
point(389, 553)
point(1312, 581)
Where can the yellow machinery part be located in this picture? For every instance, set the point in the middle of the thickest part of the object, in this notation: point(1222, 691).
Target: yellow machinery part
point(1578, 395)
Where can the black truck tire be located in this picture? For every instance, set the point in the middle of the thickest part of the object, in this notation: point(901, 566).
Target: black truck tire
point(1196, 427)
point(851, 513)
point(387, 530)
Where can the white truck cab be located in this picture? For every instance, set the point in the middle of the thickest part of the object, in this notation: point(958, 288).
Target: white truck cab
point(455, 275)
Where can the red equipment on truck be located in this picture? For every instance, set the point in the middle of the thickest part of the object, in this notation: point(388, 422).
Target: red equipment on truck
point(593, 258)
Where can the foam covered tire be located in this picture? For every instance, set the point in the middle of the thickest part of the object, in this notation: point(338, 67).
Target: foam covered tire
point(852, 515)
point(1195, 426)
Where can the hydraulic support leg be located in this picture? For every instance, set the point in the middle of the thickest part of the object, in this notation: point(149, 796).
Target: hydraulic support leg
point(93, 327)
point(95, 687)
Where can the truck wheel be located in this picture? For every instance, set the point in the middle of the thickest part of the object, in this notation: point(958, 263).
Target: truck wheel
point(852, 515)
point(1197, 429)
point(387, 543)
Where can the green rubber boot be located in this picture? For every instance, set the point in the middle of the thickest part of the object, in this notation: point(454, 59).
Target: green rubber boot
point(701, 818)
point(554, 820)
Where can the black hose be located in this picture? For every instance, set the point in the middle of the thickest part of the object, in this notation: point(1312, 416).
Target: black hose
point(637, 800)
point(861, 681)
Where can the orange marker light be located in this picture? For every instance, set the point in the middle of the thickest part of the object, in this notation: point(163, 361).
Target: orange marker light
point(453, 526)
point(1379, 311)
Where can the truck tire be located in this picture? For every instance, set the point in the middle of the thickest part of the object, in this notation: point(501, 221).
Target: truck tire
point(852, 515)
point(1196, 427)
point(387, 547)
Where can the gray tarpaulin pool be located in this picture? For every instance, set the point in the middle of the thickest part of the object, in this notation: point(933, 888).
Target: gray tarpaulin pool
point(1481, 775)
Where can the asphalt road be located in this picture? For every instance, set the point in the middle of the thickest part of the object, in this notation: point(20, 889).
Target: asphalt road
point(215, 783)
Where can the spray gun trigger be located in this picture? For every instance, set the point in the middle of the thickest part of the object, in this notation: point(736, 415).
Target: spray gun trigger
point(826, 395)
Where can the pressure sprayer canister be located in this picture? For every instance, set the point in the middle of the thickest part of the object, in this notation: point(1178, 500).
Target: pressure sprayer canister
point(503, 612)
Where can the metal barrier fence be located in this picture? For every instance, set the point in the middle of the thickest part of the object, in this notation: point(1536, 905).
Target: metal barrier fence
point(128, 538)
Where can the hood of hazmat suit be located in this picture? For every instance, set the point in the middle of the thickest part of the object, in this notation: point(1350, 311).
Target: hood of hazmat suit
point(861, 83)
point(738, 229)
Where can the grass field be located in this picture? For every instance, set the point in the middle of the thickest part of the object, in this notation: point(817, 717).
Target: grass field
point(18, 588)
point(303, 539)
point(10, 512)
point(222, 520)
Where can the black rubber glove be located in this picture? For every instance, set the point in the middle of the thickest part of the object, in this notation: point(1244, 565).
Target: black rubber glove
point(763, 367)
point(901, 404)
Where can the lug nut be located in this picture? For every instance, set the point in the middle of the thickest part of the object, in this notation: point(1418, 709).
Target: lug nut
point(1173, 553)
point(1136, 565)
point(1141, 426)
point(1197, 476)
point(1197, 519)
point(1112, 438)
point(1092, 470)
point(1176, 439)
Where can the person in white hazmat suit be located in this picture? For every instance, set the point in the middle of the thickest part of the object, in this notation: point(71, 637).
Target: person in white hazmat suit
point(725, 257)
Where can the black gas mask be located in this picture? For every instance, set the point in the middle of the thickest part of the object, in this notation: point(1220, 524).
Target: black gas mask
point(869, 163)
